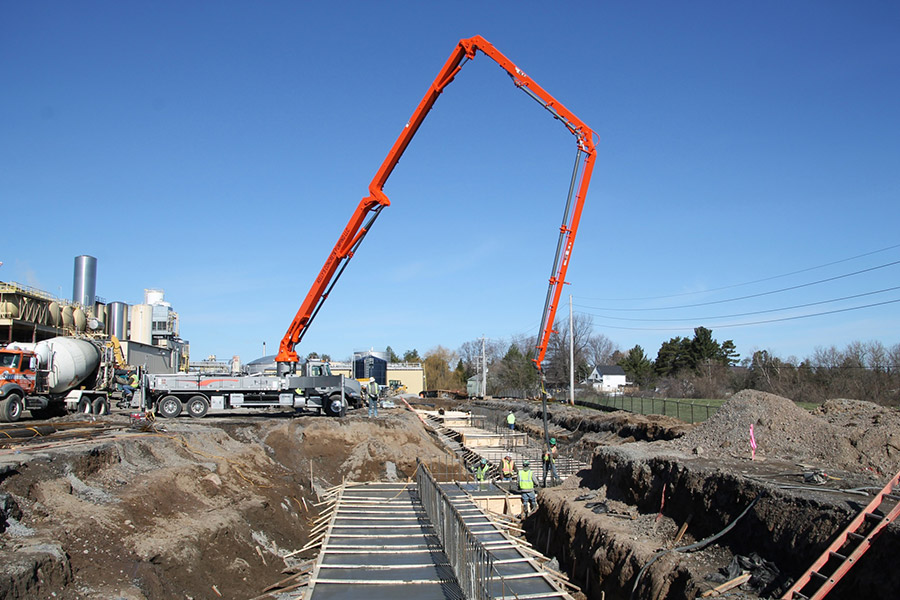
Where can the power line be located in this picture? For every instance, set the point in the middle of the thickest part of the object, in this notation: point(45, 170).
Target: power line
point(728, 287)
point(829, 312)
point(787, 289)
point(745, 314)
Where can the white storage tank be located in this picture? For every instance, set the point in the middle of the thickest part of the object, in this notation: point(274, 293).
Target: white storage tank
point(79, 318)
point(141, 324)
point(55, 313)
point(67, 320)
point(154, 296)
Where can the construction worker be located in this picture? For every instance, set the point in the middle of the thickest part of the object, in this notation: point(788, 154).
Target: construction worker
point(550, 461)
point(127, 383)
point(507, 468)
point(526, 488)
point(511, 421)
point(372, 392)
point(481, 472)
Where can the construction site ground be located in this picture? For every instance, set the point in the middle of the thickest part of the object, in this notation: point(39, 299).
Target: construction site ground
point(219, 507)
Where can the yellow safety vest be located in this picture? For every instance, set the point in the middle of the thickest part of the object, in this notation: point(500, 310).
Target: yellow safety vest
point(511, 419)
point(525, 480)
point(480, 472)
point(507, 466)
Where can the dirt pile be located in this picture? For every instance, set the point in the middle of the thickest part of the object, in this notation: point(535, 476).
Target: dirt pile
point(355, 449)
point(843, 434)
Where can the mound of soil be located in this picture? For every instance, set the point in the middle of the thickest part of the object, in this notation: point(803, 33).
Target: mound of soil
point(843, 434)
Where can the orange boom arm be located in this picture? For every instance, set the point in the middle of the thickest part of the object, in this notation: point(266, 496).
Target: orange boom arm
point(370, 207)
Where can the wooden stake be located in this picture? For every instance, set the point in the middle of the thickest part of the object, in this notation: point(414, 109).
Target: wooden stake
point(288, 579)
point(739, 580)
point(681, 530)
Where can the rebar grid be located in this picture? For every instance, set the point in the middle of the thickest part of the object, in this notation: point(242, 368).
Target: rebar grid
point(470, 560)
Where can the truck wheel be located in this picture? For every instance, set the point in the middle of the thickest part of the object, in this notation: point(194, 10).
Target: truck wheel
point(334, 407)
point(169, 407)
point(11, 408)
point(100, 406)
point(84, 406)
point(197, 407)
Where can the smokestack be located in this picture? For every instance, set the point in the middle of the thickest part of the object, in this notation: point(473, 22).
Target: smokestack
point(84, 288)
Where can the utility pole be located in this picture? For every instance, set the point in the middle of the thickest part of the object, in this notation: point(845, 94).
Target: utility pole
point(483, 370)
point(571, 355)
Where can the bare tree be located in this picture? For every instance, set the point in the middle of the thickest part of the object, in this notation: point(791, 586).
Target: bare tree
point(438, 374)
point(600, 350)
point(470, 354)
point(556, 366)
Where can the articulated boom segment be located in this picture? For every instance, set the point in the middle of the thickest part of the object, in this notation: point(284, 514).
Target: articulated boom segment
point(370, 207)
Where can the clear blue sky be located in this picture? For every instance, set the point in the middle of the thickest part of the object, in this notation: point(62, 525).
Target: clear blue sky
point(217, 149)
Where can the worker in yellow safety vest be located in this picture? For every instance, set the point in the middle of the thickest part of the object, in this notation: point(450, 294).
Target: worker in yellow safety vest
point(526, 488)
point(507, 468)
point(481, 473)
point(482, 470)
point(550, 461)
point(511, 421)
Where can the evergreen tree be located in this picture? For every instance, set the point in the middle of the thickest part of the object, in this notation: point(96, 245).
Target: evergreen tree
point(729, 356)
point(673, 356)
point(703, 349)
point(637, 366)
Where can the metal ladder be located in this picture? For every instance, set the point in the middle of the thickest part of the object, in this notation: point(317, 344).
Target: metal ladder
point(849, 546)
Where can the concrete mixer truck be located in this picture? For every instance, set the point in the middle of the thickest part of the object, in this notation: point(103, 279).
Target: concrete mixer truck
point(55, 376)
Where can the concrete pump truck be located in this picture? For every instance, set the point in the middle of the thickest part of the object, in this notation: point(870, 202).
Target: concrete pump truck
point(297, 388)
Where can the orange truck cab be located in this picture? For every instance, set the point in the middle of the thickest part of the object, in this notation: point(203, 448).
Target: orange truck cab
point(17, 380)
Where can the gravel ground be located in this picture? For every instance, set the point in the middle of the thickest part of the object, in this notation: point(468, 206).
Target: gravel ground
point(847, 435)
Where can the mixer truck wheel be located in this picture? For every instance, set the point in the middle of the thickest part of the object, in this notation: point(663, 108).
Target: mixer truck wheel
point(169, 407)
point(100, 406)
point(84, 406)
point(11, 408)
point(197, 407)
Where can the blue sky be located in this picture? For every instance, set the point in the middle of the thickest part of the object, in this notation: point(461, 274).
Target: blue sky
point(217, 149)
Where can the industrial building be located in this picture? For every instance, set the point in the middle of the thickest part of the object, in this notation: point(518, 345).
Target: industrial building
point(147, 332)
point(401, 377)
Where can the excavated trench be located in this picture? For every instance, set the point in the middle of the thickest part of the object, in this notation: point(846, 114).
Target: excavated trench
point(613, 527)
point(787, 530)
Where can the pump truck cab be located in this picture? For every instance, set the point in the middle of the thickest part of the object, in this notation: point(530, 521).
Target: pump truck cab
point(55, 376)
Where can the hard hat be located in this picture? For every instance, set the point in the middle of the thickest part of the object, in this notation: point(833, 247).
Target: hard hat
point(525, 463)
point(371, 379)
point(484, 461)
point(552, 440)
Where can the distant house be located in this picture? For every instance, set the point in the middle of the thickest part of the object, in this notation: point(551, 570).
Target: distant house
point(607, 378)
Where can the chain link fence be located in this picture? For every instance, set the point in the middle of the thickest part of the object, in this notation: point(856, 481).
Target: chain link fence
point(684, 410)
